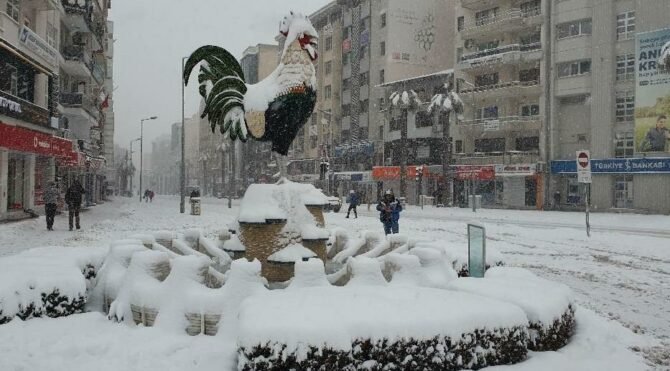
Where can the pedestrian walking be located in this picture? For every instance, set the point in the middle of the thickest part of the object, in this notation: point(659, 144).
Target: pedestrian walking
point(151, 196)
point(353, 201)
point(51, 197)
point(73, 199)
point(389, 213)
point(146, 195)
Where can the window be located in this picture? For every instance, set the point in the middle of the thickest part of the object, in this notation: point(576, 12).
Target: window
point(574, 68)
point(625, 144)
point(345, 59)
point(52, 35)
point(363, 134)
point(528, 143)
point(345, 135)
point(327, 92)
point(486, 16)
point(364, 78)
point(346, 84)
point(625, 26)
point(382, 48)
point(381, 77)
point(423, 152)
point(381, 132)
point(405, 57)
point(488, 45)
point(625, 107)
point(329, 43)
point(490, 112)
point(364, 104)
point(459, 146)
point(365, 24)
point(329, 67)
point(346, 110)
point(625, 67)
point(623, 191)
point(572, 29)
point(346, 32)
point(530, 110)
point(423, 120)
point(530, 8)
point(382, 20)
point(364, 52)
point(486, 79)
point(490, 145)
point(313, 141)
point(533, 39)
point(13, 9)
point(531, 75)
point(9, 79)
point(461, 23)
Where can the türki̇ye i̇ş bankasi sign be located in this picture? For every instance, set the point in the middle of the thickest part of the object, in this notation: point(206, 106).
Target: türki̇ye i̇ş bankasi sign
point(616, 166)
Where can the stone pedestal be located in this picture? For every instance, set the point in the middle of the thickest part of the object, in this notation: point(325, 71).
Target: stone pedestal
point(317, 212)
point(262, 240)
point(318, 247)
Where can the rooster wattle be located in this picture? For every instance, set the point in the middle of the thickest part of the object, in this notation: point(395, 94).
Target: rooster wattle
point(274, 109)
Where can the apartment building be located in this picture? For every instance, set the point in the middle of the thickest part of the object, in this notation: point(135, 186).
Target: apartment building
point(542, 79)
point(38, 142)
point(362, 45)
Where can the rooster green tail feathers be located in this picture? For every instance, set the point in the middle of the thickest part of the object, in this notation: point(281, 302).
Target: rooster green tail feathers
point(224, 102)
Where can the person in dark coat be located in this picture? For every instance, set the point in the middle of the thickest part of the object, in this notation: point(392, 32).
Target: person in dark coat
point(73, 199)
point(353, 201)
point(50, 197)
point(389, 212)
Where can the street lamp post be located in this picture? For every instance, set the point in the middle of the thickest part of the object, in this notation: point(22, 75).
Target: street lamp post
point(141, 149)
point(182, 185)
point(131, 165)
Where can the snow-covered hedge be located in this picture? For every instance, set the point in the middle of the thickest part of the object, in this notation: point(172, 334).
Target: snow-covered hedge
point(365, 327)
point(458, 254)
point(548, 305)
point(50, 282)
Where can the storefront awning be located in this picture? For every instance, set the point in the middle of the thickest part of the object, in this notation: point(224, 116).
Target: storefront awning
point(20, 139)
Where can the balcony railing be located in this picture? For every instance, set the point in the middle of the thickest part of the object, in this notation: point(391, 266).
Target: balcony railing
point(501, 50)
point(79, 100)
point(501, 120)
point(24, 110)
point(76, 53)
point(77, 6)
point(509, 15)
point(501, 85)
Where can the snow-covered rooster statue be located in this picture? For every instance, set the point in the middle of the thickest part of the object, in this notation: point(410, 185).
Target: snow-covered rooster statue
point(274, 109)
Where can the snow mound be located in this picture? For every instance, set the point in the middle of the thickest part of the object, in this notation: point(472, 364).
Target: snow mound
point(147, 239)
point(437, 269)
point(403, 269)
point(291, 254)
point(310, 273)
point(234, 244)
point(365, 272)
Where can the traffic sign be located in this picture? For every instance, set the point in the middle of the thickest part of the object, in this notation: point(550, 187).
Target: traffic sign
point(583, 166)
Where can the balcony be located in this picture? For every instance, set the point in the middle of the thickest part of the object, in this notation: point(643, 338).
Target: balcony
point(98, 73)
point(478, 4)
point(480, 127)
point(495, 158)
point(507, 54)
point(79, 104)
point(77, 61)
point(510, 21)
point(23, 110)
point(78, 14)
point(504, 89)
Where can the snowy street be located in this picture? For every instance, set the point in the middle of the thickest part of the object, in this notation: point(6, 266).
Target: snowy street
point(622, 272)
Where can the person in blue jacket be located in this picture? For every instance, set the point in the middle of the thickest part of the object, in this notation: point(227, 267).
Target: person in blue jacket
point(389, 213)
point(353, 201)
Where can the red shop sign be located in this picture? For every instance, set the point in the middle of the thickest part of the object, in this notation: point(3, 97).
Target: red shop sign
point(393, 172)
point(24, 140)
point(468, 172)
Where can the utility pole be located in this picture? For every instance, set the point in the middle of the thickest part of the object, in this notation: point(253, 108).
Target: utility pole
point(182, 186)
point(232, 175)
point(141, 149)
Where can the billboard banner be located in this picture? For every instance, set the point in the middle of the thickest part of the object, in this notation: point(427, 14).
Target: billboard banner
point(652, 93)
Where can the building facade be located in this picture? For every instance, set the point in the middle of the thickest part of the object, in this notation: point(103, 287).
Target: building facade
point(43, 135)
point(542, 79)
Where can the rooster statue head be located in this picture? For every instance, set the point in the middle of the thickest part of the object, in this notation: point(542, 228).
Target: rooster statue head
point(298, 29)
point(275, 108)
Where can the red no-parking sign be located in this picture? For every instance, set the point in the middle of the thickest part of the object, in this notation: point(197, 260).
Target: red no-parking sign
point(583, 166)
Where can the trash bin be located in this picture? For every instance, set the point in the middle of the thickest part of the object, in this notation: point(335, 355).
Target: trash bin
point(478, 201)
point(195, 206)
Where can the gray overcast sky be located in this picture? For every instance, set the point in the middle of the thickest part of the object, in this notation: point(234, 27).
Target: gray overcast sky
point(152, 36)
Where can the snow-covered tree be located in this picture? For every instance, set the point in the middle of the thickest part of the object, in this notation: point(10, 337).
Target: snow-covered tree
point(405, 101)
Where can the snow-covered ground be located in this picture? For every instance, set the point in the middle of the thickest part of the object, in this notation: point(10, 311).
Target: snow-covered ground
point(622, 272)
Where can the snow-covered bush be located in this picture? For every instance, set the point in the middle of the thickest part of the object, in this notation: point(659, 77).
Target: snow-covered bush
point(548, 305)
point(458, 254)
point(51, 282)
point(369, 328)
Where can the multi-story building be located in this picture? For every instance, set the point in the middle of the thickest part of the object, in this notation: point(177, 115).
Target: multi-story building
point(542, 79)
point(42, 108)
point(364, 44)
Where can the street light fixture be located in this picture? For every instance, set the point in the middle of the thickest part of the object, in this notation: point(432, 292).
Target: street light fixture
point(141, 149)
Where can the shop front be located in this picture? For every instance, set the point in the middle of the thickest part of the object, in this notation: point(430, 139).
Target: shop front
point(359, 181)
point(388, 177)
point(641, 184)
point(478, 180)
point(518, 186)
point(27, 164)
